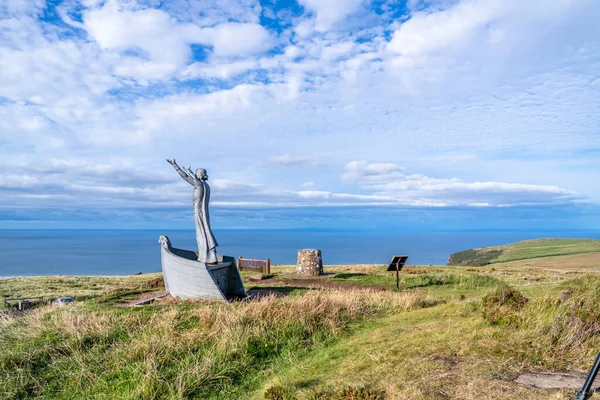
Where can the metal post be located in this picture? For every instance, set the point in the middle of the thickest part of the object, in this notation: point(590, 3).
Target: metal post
point(268, 265)
point(397, 277)
point(240, 263)
point(586, 391)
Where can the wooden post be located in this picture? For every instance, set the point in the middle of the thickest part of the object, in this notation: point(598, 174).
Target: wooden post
point(240, 263)
point(396, 265)
point(268, 265)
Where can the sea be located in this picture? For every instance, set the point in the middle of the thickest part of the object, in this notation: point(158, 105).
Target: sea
point(126, 252)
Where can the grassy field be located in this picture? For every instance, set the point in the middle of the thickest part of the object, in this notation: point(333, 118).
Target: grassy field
point(448, 333)
point(527, 249)
point(80, 287)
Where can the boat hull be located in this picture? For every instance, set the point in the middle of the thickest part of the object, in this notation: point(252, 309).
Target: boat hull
point(187, 278)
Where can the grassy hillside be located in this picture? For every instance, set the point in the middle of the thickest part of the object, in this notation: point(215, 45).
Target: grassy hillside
point(578, 262)
point(524, 250)
point(449, 333)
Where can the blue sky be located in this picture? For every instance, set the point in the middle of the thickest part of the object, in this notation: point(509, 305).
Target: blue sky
point(466, 114)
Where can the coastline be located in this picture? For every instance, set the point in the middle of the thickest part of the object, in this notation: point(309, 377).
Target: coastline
point(123, 253)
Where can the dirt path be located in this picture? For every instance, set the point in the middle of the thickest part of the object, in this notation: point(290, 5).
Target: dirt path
point(320, 283)
point(271, 286)
point(129, 301)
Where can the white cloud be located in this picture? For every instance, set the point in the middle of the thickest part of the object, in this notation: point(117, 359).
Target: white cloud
point(490, 26)
point(329, 13)
point(234, 39)
point(160, 44)
point(210, 13)
point(390, 180)
point(219, 70)
point(337, 50)
point(292, 51)
point(426, 31)
point(20, 7)
point(514, 87)
point(154, 45)
point(288, 160)
point(121, 184)
point(178, 109)
point(374, 172)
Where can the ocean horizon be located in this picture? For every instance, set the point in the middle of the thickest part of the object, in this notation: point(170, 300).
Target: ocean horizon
point(29, 252)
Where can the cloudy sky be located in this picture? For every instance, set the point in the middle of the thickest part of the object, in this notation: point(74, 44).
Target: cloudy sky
point(470, 114)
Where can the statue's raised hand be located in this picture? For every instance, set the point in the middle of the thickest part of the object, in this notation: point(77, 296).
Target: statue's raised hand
point(173, 163)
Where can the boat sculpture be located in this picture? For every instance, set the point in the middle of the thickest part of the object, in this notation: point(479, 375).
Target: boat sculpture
point(187, 278)
point(202, 275)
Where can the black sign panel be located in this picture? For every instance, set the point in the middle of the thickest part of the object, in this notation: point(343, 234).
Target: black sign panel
point(397, 262)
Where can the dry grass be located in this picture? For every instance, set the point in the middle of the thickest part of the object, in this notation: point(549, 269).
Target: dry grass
point(466, 349)
point(75, 286)
point(445, 352)
point(319, 344)
point(588, 262)
point(190, 350)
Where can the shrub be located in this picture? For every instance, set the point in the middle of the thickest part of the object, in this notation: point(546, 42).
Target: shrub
point(360, 393)
point(276, 393)
point(501, 306)
point(367, 392)
point(560, 331)
point(577, 318)
point(471, 281)
point(476, 281)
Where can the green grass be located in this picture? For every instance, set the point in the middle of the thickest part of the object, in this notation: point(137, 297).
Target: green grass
point(449, 333)
point(380, 279)
point(440, 282)
point(455, 350)
point(78, 287)
point(195, 350)
point(527, 249)
point(547, 248)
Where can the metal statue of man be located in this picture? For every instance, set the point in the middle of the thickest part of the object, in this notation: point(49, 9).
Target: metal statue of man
point(207, 245)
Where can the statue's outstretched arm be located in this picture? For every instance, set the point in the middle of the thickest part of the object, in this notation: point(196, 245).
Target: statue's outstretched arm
point(181, 173)
point(191, 174)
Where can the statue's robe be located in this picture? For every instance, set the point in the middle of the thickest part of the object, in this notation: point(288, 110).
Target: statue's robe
point(204, 237)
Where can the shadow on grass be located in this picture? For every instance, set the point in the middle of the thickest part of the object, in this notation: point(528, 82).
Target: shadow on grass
point(121, 295)
point(307, 383)
point(278, 291)
point(350, 275)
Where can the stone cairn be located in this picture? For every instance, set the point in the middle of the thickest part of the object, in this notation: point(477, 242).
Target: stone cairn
point(310, 263)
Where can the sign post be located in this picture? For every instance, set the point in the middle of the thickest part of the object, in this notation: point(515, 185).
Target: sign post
point(397, 264)
point(586, 391)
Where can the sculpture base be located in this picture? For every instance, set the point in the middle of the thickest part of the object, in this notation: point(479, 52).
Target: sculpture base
point(187, 278)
